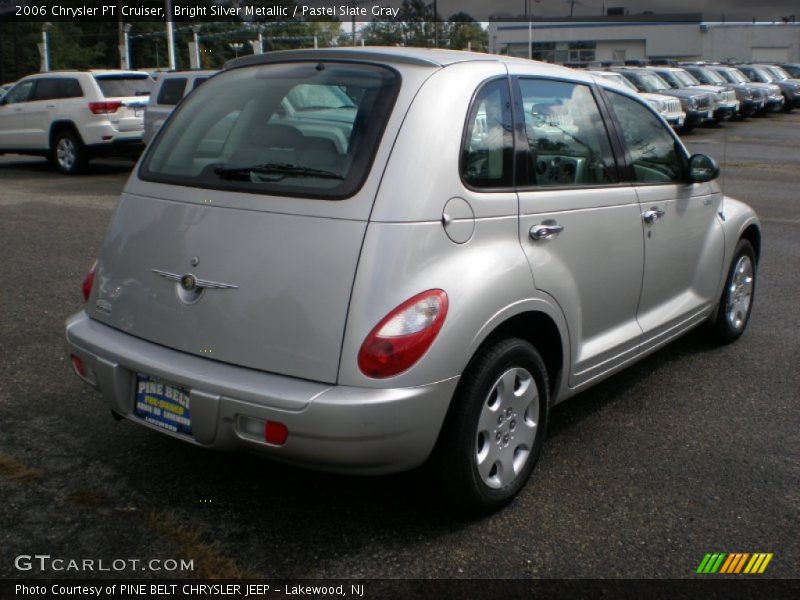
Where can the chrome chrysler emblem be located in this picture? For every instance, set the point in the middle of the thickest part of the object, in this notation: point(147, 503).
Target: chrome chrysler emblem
point(189, 282)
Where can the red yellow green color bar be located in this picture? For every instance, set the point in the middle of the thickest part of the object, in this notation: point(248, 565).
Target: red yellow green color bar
point(734, 563)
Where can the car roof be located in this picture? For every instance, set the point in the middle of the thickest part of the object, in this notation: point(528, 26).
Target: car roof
point(435, 58)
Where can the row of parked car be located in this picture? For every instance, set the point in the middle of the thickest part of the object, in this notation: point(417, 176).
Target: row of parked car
point(691, 94)
point(72, 116)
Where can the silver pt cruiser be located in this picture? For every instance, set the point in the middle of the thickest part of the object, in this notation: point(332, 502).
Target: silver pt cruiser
point(363, 260)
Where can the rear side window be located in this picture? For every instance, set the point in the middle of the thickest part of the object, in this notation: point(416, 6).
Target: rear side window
point(198, 82)
point(46, 89)
point(566, 134)
point(486, 160)
point(265, 129)
point(171, 91)
point(120, 86)
point(70, 88)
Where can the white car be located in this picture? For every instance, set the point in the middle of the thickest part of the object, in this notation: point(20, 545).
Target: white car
point(170, 88)
point(667, 106)
point(72, 116)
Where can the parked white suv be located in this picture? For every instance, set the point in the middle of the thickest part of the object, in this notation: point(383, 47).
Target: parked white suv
point(72, 116)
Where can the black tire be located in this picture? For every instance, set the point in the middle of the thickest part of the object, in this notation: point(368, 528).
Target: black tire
point(731, 318)
point(461, 444)
point(68, 153)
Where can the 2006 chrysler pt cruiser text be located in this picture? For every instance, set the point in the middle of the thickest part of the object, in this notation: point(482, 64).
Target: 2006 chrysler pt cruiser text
point(363, 260)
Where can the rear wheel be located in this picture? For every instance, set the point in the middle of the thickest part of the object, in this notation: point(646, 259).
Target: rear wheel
point(495, 431)
point(68, 153)
point(736, 302)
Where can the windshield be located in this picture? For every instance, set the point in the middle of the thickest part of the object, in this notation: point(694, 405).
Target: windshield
point(756, 74)
point(294, 129)
point(779, 73)
point(622, 81)
point(685, 78)
point(735, 76)
point(669, 78)
point(652, 82)
point(713, 76)
point(616, 78)
point(121, 86)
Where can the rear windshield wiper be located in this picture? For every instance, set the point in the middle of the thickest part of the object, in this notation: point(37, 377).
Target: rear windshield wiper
point(282, 169)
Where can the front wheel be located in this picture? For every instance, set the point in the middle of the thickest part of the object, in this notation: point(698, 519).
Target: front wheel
point(736, 302)
point(496, 427)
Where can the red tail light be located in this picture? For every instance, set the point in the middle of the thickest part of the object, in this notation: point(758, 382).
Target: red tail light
point(88, 282)
point(104, 108)
point(403, 336)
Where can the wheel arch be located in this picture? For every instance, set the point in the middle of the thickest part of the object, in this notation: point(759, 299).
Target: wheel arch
point(62, 125)
point(544, 329)
point(752, 233)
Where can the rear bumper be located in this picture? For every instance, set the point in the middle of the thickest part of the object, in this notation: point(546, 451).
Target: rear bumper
point(131, 145)
point(331, 428)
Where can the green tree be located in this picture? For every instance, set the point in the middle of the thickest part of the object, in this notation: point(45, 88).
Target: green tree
point(464, 32)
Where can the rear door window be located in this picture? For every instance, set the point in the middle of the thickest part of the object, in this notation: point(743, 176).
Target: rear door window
point(171, 91)
point(295, 129)
point(121, 86)
point(566, 135)
point(47, 88)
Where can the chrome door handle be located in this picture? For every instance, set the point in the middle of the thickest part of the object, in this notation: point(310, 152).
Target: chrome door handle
point(545, 231)
point(49, 105)
point(652, 215)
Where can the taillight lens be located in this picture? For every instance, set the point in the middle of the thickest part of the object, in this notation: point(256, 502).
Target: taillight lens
point(88, 282)
point(104, 108)
point(403, 336)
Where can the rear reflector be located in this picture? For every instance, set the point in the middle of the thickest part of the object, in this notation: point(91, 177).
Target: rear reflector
point(88, 282)
point(82, 370)
point(104, 108)
point(78, 365)
point(275, 433)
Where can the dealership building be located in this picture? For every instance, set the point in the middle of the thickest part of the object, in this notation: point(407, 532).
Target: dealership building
point(626, 37)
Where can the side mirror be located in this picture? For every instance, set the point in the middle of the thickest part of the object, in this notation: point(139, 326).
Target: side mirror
point(702, 168)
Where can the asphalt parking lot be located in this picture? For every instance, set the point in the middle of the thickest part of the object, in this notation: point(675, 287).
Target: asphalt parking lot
point(693, 450)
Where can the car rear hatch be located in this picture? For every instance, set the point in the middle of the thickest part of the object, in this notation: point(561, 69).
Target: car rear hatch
point(240, 237)
point(127, 95)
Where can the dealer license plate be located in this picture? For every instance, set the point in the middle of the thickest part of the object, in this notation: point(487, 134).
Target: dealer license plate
point(162, 404)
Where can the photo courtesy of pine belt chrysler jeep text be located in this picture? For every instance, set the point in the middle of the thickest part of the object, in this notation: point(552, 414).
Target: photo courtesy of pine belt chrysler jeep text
point(365, 260)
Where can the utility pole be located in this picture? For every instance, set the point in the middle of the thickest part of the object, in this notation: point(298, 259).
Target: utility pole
point(170, 35)
point(435, 26)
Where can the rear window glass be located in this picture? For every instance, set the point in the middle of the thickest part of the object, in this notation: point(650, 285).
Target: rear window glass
point(198, 82)
point(295, 129)
point(171, 91)
point(119, 86)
